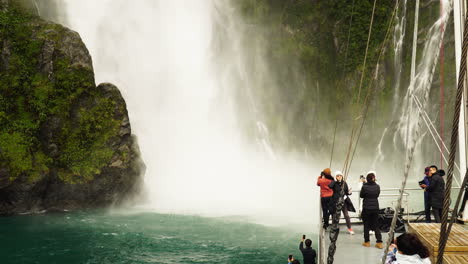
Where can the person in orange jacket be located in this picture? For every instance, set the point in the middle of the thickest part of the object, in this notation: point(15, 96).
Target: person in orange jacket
point(326, 194)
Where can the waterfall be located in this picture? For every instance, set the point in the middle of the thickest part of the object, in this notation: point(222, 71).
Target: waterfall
point(181, 66)
point(398, 38)
point(409, 130)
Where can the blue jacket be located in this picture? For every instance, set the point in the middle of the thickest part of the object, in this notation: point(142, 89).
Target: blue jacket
point(426, 181)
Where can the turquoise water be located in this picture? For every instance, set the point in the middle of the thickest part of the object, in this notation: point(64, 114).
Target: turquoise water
point(102, 237)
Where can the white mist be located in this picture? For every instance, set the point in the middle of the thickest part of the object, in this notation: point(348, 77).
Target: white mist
point(180, 98)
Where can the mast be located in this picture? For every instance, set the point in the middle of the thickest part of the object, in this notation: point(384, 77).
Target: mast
point(459, 13)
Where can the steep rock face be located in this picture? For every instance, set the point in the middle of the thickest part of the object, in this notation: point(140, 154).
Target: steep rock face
point(64, 143)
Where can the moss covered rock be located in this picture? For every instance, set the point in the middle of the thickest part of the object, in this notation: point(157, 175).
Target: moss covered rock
point(65, 143)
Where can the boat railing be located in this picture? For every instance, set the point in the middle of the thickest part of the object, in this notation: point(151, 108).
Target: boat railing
point(389, 198)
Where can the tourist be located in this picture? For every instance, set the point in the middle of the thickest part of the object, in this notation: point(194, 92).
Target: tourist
point(326, 193)
point(408, 249)
point(336, 187)
point(436, 190)
point(308, 253)
point(293, 261)
point(427, 205)
point(370, 192)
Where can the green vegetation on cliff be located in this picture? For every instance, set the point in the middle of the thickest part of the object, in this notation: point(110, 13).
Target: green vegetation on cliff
point(51, 113)
point(319, 85)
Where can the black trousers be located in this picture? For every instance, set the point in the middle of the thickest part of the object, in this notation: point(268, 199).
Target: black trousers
point(427, 209)
point(437, 214)
point(326, 201)
point(370, 219)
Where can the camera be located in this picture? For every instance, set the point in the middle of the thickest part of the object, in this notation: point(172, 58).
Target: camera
point(303, 236)
point(421, 182)
point(361, 177)
point(290, 257)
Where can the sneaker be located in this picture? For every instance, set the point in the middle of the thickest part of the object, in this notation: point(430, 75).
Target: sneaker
point(350, 231)
point(366, 244)
point(379, 245)
point(371, 232)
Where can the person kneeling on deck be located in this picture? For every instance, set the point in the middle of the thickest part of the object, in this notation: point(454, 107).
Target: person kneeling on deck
point(408, 249)
point(336, 186)
point(326, 193)
point(308, 252)
point(370, 192)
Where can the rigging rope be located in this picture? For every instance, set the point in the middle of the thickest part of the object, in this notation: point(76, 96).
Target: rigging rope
point(453, 147)
point(334, 232)
point(333, 145)
point(344, 70)
point(360, 88)
point(369, 95)
point(412, 148)
point(432, 129)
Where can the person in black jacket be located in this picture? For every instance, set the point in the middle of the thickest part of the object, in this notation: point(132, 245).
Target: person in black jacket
point(336, 186)
point(436, 190)
point(370, 192)
point(308, 252)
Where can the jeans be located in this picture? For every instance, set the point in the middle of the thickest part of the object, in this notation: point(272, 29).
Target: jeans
point(427, 208)
point(346, 216)
point(326, 201)
point(370, 219)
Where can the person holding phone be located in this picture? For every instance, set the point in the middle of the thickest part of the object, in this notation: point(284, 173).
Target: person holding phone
point(308, 253)
point(424, 184)
point(326, 194)
point(370, 192)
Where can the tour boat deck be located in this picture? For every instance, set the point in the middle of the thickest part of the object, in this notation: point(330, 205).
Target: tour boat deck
point(456, 249)
point(350, 250)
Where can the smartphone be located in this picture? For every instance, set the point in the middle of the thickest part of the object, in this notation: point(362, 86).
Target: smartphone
point(303, 236)
point(290, 256)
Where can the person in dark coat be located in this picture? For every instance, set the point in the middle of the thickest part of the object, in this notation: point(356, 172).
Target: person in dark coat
point(308, 252)
point(336, 186)
point(427, 204)
point(370, 192)
point(436, 190)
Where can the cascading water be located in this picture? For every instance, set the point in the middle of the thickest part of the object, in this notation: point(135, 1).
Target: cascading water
point(398, 38)
point(180, 81)
point(406, 111)
point(409, 126)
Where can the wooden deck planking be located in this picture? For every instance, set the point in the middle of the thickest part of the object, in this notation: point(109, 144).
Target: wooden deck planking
point(455, 259)
point(456, 250)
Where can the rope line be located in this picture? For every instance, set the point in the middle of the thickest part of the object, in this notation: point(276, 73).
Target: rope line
point(359, 90)
point(453, 147)
point(412, 147)
point(431, 128)
point(333, 145)
point(370, 91)
point(334, 232)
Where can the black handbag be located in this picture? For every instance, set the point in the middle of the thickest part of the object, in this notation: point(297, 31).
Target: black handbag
point(349, 205)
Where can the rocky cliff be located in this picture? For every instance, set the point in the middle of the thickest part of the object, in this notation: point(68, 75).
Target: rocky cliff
point(65, 143)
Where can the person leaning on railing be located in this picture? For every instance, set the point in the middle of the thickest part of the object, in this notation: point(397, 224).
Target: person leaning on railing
point(370, 192)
